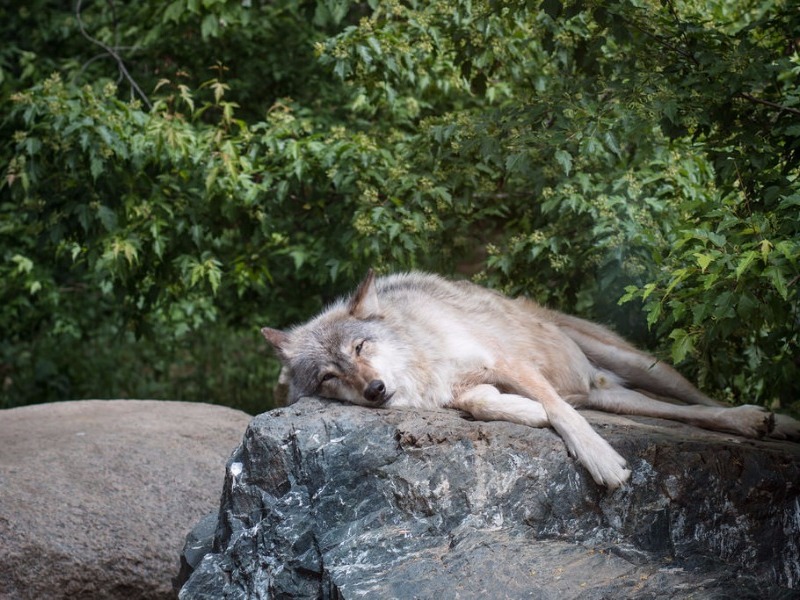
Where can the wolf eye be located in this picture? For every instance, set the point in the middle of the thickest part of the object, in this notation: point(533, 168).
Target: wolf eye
point(328, 377)
point(360, 347)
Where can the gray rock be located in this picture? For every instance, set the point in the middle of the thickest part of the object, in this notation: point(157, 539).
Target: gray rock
point(96, 496)
point(325, 500)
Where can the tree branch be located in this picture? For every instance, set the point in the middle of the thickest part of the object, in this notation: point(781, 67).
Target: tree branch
point(679, 51)
point(774, 105)
point(113, 53)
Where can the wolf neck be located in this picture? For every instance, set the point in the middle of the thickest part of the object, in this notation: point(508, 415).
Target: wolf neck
point(432, 348)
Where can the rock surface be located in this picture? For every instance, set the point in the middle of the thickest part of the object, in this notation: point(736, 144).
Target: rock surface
point(325, 500)
point(96, 496)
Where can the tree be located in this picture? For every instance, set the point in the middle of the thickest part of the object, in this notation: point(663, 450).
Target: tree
point(194, 170)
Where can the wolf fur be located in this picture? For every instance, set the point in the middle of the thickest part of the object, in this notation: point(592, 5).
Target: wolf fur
point(419, 340)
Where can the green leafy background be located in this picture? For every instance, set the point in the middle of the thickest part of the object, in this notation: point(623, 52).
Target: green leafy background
point(178, 174)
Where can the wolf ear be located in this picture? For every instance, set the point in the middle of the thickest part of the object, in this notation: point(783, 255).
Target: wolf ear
point(364, 303)
point(277, 338)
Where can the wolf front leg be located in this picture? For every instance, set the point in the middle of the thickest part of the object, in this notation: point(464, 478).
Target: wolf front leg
point(485, 403)
point(604, 464)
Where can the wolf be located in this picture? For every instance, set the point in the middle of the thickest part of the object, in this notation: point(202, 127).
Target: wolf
point(419, 340)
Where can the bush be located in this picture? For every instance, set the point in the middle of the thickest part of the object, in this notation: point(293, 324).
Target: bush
point(181, 174)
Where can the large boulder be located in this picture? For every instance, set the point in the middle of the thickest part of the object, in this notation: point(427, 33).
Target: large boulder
point(96, 497)
point(325, 500)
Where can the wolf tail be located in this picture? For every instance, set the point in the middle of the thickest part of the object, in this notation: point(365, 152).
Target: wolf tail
point(606, 350)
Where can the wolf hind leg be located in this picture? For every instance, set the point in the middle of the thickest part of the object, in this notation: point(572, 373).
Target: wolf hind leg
point(786, 428)
point(608, 351)
point(748, 420)
point(485, 403)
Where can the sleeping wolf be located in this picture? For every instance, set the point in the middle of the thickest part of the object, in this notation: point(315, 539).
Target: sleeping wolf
point(422, 341)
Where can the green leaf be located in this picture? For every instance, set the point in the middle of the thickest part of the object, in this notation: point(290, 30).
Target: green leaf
point(682, 345)
point(678, 275)
point(299, 256)
point(725, 305)
point(777, 279)
point(213, 273)
point(745, 261)
point(95, 167)
point(631, 292)
point(107, 217)
point(653, 313)
point(611, 142)
point(24, 264)
point(209, 27)
point(174, 10)
point(648, 289)
point(564, 159)
point(211, 177)
point(703, 260)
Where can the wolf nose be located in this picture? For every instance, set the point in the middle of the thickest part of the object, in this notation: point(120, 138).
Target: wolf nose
point(376, 391)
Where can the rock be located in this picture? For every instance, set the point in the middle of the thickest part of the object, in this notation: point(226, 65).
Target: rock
point(326, 500)
point(97, 496)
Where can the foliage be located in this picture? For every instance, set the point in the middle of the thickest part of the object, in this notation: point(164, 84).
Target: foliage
point(178, 174)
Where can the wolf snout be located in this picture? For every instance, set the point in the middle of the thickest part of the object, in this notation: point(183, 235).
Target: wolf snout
point(376, 391)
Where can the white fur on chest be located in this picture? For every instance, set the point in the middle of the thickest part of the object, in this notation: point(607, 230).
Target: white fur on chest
point(449, 350)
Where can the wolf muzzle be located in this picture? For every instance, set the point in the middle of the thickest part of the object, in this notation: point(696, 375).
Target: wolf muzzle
point(376, 392)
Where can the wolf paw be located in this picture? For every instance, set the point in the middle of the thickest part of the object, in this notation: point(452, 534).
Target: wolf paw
point(786, 428)
point(612, 471)
point(749, 420)
point(597, 456)
point(604, 464)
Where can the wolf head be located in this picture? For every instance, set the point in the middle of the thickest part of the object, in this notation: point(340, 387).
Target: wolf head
point(343, 353)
